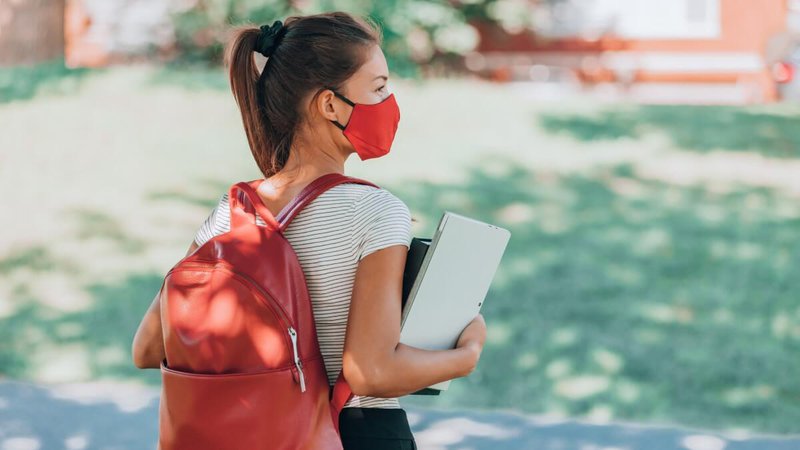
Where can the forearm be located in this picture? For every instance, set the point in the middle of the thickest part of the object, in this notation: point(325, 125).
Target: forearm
point(410, 369)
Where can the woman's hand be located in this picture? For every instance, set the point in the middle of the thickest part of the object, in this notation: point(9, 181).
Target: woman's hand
point(473, 337)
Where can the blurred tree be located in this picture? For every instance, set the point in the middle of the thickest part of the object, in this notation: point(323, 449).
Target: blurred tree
point(31, 31)
point(429, 34)
point(200, 24)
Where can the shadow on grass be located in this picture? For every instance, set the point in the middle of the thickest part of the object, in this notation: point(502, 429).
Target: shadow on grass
point(187, 198)
point(104, 330)
point(618, 297)
point(699, 128)
point(25, 82)
point(625, 298)
point(99, 225)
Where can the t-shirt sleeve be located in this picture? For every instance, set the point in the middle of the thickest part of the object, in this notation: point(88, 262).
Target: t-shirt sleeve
point(209, 228)
point(380, 220)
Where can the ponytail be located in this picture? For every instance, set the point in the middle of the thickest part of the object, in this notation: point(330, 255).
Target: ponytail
point(248, 91)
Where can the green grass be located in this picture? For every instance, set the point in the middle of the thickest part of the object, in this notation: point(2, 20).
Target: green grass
point(700, 128)
point(650, 274)
point(674, 304)
point(24, 82)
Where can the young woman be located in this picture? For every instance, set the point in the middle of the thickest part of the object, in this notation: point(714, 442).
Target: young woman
point(322, 95)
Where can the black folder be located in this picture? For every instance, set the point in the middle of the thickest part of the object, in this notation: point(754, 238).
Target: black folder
point(416, 253)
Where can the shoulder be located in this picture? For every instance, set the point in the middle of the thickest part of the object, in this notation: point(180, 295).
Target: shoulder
point(379, 220)
point(379, 215)
point(350, 192)
point(364, 200)
point(379, 202)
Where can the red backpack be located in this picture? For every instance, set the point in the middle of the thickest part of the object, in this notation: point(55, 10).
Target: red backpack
point(243, 368)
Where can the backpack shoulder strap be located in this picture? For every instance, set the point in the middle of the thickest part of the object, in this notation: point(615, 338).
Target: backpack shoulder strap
point(312, 191)
point(244, 202)
point(339, 395)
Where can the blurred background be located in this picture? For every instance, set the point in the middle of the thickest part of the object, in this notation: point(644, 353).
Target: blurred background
point(644, 154)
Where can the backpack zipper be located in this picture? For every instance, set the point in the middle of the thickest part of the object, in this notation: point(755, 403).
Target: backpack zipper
point(297, 362)
point(281, 312)
point(292, 333)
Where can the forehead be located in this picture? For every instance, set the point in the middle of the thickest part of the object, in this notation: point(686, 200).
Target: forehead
point(374, 66)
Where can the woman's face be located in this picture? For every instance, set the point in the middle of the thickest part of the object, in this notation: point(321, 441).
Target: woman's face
point(368, 85)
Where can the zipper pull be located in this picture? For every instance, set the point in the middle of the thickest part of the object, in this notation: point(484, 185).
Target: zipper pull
point(297, 362)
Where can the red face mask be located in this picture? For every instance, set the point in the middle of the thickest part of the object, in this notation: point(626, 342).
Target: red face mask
point(371, 128)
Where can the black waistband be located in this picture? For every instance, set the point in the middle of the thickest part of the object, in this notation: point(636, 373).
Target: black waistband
point(384, 423)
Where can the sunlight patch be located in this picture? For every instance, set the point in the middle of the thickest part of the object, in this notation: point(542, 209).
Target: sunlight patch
point(558, 368)
point(564, 336)
point(609, 361)
point(7, 306)
point(516, 213)
point(128, 397)
point(627, 391)
point(624, 274)
point(21, 443)
point(76, 442)
point(581, 386)
point(740, 396)
point(662, 313)
point(498, 333)
point(600, 414)
point(110, 355)
point(527, 360)
point(721, 167)
point(520, 267)
point(59, 291)
point(703, 442)
point(652, 241)
point(61, 362)
point(627, 187)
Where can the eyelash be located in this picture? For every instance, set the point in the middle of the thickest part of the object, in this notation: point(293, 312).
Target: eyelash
point(376, 90)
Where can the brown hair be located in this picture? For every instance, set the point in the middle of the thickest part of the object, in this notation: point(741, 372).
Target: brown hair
point(317, 50)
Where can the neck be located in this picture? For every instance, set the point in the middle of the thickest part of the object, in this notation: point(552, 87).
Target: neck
point(306, 163)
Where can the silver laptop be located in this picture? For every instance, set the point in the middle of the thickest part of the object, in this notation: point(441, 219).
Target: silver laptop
point(452, 282)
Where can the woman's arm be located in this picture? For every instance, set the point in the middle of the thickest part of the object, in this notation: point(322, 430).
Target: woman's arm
point(148, 343)
point(375, 363)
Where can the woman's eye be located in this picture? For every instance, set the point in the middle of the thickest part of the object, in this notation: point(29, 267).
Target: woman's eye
point(376, 90)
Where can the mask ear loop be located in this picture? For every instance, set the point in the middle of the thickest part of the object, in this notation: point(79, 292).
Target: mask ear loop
point(345, 99)
point(340, 96)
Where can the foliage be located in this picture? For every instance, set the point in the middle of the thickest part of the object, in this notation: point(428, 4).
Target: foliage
point(415, 32)
point(23, 82)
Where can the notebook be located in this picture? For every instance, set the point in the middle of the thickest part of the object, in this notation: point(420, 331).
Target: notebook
point(445, 281)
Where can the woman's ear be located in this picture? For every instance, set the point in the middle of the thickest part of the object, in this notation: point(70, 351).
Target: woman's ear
point(324, 104)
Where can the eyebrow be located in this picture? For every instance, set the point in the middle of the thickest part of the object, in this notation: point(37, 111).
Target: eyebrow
point(380, 76)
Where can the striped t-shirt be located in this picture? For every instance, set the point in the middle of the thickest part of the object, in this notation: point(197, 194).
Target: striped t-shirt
point(330, 235)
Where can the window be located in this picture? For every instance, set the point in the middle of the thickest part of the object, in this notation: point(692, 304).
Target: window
point(635, 19)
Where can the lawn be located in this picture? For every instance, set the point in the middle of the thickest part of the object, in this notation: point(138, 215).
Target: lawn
point(650, 276)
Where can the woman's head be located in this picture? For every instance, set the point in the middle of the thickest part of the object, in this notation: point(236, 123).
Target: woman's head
point(289, 99)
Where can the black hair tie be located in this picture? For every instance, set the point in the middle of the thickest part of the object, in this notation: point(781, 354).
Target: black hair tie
point(269, 38)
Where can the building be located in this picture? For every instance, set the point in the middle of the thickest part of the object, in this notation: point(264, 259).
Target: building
point(658, 50)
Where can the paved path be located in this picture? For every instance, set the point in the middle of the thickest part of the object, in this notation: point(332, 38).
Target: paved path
point(117, 416)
